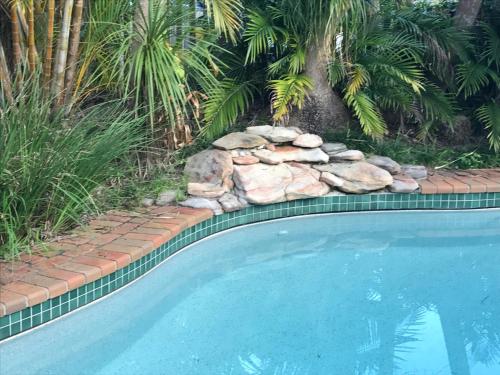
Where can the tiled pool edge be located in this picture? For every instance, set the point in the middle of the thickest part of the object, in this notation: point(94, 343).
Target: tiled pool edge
point(33, 316)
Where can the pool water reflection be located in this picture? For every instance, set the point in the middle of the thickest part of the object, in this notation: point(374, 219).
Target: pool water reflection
point(380, 293)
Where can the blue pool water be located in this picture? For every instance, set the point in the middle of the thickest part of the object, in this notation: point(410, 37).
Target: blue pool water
point(396, 293)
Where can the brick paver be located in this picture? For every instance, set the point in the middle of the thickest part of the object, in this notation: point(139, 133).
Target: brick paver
point(459, 182)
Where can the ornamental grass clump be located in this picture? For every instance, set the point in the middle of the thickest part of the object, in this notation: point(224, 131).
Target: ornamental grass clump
point(51, 165)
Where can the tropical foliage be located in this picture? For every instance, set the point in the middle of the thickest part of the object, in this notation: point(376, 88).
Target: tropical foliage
point(403, 66)
point(120, 83)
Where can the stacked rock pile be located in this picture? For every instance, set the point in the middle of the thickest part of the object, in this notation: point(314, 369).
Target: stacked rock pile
point(267, 164)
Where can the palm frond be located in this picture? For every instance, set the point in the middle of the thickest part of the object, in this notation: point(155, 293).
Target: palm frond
point(367, 113)
point(358, 77)
point(437, 104)
point(290, 90)
point(260, 34)
point(489, 115)
point(226, 16)
point(226, 101)
point(336, 71)
point(492, 40)
point(472, 77)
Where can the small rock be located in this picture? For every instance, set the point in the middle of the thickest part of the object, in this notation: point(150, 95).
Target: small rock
point(308, 155)
point(239, 140)
point(230, 203)
point(245, 160)
point(206, 190)
point(276, 134)
point(331, 179)
point(240, 152)
point(386, 163)
point(147, 202)
point(333, 148)
point(349, 155)
point(308, 141)
point(270, 147)
point(417, 172)
point(166, 197)
point(403, 184)
point(268, 157)
point(359, 177)
point(197, 202)
point(335, 193)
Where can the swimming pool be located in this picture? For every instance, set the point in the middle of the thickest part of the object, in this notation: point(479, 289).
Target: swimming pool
point(362, 293)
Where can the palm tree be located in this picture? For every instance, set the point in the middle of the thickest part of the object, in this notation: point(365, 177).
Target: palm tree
point(302, 36)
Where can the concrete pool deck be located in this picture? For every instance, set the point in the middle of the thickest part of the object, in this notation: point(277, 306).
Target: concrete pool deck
point(116, 240)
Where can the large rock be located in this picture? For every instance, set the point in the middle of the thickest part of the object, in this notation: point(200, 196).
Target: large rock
point(386, 163)
point(349, 155)
point(333, 148)
point(198, 202)
point(231, 202)
point(276, 134)
point(206, 190)
point(305, 183)
point(308, 141)
point(310, 155)
point(359, 177)
point(262, 183)
point(414, 171)
point(236, 140)
point(403, 184)
point(209, 166)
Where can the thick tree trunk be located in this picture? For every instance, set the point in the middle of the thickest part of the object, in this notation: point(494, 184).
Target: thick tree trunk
point(323, 109)
point(467, 12)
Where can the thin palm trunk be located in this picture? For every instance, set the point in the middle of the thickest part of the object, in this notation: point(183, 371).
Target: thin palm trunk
point(73, 51)
point(16, 39)
point(31, 37)
point(62, 51)
point(141, 20)
point(5, 81)
point(47, 66)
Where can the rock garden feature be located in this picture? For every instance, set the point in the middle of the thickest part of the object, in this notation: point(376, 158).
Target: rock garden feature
point(266, 164)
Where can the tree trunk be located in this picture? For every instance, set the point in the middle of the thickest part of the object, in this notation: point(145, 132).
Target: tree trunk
point(323, 109)
point(62, 52)
point(141, 20)
point(467, 12)
point(16, 39)
point(31, 37)
point(5, 82)
point(47, 65)
point(73, 52)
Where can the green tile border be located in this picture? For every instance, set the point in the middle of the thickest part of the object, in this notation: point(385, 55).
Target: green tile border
point(30, 317)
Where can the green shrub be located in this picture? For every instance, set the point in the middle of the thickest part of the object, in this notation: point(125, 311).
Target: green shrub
point(50, 166)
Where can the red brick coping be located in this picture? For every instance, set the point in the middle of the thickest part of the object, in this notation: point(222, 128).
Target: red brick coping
point(118, 238)
point(108, 243)
point(461, 182)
